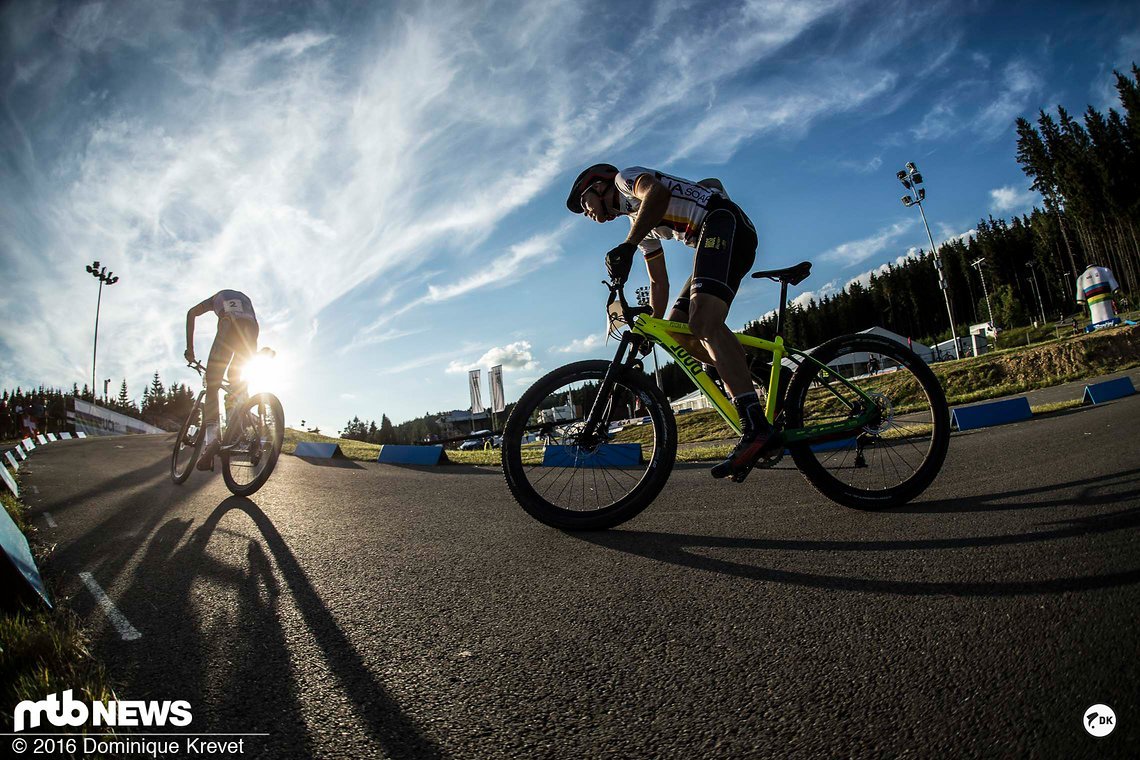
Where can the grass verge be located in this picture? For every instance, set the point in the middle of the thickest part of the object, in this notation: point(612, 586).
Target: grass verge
point(44, 651)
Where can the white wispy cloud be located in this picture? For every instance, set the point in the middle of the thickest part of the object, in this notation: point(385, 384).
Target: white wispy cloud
point(514, 356)
point(1009, 198)
point(1019, 83)
point(790, 110)
point(582, 345)
point(857, 251)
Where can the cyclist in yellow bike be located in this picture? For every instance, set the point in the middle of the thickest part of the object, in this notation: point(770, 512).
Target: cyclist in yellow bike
point(234, 343)
point(699, 214)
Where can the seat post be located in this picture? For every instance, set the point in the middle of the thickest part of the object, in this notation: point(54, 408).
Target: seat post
point(783, 302)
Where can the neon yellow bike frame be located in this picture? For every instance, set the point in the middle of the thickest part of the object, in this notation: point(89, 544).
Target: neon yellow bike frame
point(659, 331)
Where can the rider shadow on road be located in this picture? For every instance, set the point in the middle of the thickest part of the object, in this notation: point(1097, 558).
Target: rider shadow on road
point(255, 684)
point(132, 511)
point(1095, 490)
point(687, 550)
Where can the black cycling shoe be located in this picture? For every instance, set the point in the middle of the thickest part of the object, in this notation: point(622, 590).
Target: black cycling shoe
point(750, 450)
point(206, 460)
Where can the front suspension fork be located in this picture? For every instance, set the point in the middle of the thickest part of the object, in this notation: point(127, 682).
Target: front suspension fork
point(623, 359)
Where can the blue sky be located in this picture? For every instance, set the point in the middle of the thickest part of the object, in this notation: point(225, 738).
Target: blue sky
point(386, 180)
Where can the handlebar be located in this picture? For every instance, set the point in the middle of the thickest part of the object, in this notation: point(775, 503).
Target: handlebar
point(197, 366)
point(617, 294)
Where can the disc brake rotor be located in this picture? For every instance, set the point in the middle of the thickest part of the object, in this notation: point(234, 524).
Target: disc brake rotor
point(886, 413)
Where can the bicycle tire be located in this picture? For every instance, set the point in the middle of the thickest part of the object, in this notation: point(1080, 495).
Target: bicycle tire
point(657, 468)
point(812, 463)
point(275, 439)
point(193, 419)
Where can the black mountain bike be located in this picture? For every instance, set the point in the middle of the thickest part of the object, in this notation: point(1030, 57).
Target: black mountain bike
point(252, 435)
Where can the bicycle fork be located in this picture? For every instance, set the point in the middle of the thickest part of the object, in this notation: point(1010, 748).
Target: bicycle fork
point(597, 419)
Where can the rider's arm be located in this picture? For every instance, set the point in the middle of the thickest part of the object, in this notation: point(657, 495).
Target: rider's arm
point(658, 283)
point(654, 198)
point(194, 313)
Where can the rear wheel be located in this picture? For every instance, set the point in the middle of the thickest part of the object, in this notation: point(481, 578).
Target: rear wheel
point(890, 460)
point(187, 445)
point(569, 479)
point(254, 435)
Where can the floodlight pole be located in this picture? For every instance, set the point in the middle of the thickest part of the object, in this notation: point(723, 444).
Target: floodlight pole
point(978, 265)
point(103, 276)
point(1037, 290)
point(911, 179)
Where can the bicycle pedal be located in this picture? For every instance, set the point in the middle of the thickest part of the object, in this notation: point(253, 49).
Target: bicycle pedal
point(741, 474)
point(768, 462)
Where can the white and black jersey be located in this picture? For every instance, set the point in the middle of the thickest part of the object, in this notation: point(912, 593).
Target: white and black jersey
point(688, 206)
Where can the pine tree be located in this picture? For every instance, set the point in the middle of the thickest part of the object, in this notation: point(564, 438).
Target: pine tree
point(387, 432)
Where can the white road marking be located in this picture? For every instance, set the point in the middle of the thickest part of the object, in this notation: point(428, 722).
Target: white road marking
point(35, 490)
point(50, 520)
point(127, 632)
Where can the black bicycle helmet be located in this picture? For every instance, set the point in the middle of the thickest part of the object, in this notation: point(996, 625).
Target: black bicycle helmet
point(584, 180)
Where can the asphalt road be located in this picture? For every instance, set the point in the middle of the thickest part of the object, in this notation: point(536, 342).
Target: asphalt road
point(369, 610)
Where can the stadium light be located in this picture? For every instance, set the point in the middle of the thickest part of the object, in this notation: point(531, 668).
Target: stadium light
point(105, 278)
point(911, 179)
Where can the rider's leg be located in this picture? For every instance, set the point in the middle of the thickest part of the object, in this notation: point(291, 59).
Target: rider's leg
point(221, 352)
point(680, 313)
point(725, 253)
point(244, 344)
point(707, 321)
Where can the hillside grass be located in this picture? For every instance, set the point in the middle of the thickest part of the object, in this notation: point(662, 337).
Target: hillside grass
point(1044, 363)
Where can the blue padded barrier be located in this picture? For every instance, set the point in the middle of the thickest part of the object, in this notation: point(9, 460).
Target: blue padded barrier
point(844, 443)
point(16, 560)
point(1109, 390)
point(391, 453)
point(608, 455)
point(992, 413)
point(315, 450)
point(9, 481)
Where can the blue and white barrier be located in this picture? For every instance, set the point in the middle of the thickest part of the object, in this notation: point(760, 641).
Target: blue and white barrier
point(314, 450)
point(991, 413)
point(10, 482)
point(391, 453)
point(1108, 390)
point(12, 460)
point(607, 455)
point(95, 420)
point(16, 559)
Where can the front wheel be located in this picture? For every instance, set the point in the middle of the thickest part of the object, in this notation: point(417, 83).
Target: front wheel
point(573, 479)
point(187, 445)
point(254, 435)
point(894, 457)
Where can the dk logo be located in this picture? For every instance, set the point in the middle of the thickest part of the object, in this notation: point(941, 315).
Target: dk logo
point(1099, 720)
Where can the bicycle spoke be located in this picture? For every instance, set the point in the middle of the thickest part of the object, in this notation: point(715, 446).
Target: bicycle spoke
point(570, 469)
point(894, 446)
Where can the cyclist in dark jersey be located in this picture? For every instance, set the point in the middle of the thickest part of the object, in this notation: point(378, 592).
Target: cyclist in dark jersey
point(699, 214)
point(234, 344)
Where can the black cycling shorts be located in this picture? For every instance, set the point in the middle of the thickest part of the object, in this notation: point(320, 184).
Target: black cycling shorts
point(726, 251)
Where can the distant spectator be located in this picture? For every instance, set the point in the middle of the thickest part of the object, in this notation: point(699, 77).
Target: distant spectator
point(29, 426)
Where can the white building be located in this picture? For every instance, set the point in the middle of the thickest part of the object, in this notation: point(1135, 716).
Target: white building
point(694, 400)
